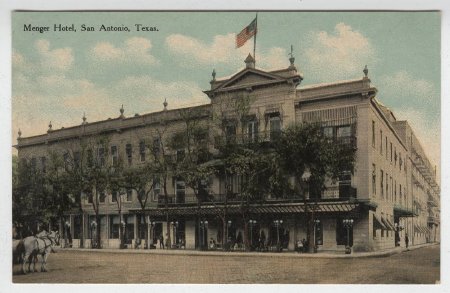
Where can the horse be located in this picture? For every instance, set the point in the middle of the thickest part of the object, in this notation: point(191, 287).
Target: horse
point(41, 244)
point(17, 250)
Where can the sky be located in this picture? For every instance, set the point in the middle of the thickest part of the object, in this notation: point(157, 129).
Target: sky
point(59, 76)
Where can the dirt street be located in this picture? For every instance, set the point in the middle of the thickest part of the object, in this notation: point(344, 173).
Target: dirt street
point(420, 266)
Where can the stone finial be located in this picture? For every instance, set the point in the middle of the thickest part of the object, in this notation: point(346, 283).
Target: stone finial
point(292, 58)
point(366, 71)
point(19, 133)
point(50, 127)
point(165, 104)
point(84, 118)
point(213, 75)
point(249, 61)
point(121, 112)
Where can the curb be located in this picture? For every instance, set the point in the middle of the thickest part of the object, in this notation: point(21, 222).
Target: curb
point(251, 254)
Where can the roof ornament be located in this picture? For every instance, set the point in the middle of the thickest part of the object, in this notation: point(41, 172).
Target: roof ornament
point(366, 71)
point(19, 133)
point(84, 118)
point(121, 112)
point(213, 75)
point(249, 61)
point(292, 59)
point(165, 104)
point(50, 127)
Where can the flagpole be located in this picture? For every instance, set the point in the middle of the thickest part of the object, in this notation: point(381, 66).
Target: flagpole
point(254, 39)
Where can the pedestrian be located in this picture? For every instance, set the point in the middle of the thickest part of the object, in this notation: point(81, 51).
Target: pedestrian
point(406, 240)
point(167, 241)
point(161, 241)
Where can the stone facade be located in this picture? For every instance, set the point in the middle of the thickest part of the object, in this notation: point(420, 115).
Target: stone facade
point(393, 188)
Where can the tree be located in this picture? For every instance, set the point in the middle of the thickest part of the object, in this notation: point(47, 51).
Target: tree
point(311, 157)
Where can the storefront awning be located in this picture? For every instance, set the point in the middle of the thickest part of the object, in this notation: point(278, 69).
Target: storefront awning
point(279, 208)
point(378, 222)
point(401, 211)
point(387, 223)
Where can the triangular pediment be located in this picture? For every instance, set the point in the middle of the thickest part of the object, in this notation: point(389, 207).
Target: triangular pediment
point(249, 77)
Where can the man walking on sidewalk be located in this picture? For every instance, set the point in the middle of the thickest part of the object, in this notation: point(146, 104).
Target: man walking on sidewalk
point(406, 240)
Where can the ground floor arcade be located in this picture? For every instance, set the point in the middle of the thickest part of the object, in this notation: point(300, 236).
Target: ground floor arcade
point(258, 227)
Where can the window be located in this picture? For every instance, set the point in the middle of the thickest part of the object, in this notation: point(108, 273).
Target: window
point(392, 188)
point(386, 147)
point(102, 196)
point(90, 158)
point(343, 131)
point(33, 163)
point(230, 132)
point(400, 161)
point(252, 130)
point(180, 190)
point(142, 150)
point(44, 164)
point(387, 186)
point(114, 224)
point(319, 233)
point(400, 195)
point(114, 196)
point(76, 159)
point(391, 151)
point(156, 188)
point(374, 179)
point(101, 156)
point(381, 142)
point(129, 195)
point(156, 146)
point(180, 155)
point(395, 190)
point(373, 133)
point(382, 182)
point(90, 197)
point(328, 132)
point(275, 127)
point(129, 153)
point(65, 160)
point(114, 156)
point(395, 156)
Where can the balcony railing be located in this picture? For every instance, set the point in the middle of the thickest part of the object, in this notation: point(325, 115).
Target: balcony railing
point(343, 192)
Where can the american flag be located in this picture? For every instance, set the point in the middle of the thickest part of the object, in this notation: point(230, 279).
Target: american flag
point(246, 34)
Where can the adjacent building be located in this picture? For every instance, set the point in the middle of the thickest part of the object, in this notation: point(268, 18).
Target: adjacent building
point(392, 192)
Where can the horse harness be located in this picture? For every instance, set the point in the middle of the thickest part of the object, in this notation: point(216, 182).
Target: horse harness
point(43, 238)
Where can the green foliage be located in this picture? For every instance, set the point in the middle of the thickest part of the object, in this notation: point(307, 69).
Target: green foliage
point(311, 157)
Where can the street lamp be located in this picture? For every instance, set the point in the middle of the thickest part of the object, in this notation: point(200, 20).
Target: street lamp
point(203, 227)
point(316, 222)
point(278, 223)
point(348, 223)
point(252, 222)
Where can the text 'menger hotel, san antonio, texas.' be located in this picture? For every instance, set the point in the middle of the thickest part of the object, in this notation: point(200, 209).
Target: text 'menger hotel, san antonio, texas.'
point(392, 191)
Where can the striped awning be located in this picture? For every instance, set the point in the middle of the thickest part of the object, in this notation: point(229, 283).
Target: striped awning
point(284, 208)
point(387, 223)
point(421, 229)
point(378, 222)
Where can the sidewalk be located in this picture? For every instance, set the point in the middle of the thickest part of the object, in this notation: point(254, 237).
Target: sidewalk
point(290, 254)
